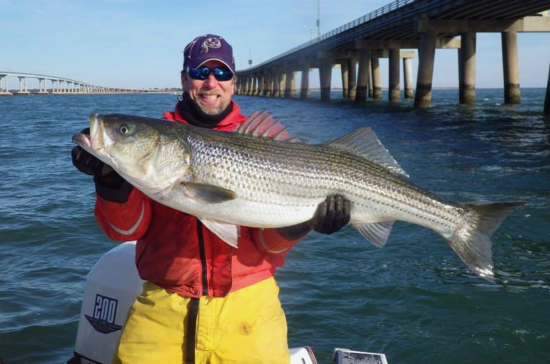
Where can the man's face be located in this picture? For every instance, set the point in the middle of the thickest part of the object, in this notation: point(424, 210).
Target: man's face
point(212, 96)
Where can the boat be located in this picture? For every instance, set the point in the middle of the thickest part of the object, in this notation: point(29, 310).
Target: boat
point(111, 288)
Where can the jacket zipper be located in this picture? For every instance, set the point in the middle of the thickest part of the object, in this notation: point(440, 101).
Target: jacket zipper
point(190, 337)
point(202, 250)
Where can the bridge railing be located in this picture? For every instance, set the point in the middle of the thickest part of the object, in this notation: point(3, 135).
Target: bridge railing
point(363, 19)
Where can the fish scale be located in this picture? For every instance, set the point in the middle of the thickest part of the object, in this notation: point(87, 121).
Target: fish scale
point(250, 178)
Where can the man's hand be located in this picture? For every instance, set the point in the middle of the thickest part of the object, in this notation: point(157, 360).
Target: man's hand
point(331, 215)
point(85, 162)
point(90, 165)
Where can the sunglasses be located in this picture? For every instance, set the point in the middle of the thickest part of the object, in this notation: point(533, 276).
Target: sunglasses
point(202, 73)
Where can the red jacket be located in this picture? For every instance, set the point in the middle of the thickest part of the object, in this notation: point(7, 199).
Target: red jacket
point(175, 251)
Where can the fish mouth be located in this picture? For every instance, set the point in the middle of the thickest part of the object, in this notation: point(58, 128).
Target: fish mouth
point(90, 142)
point(94, 143)
point(83, 140)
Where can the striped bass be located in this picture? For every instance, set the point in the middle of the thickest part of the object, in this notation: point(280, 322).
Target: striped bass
point(254, 177)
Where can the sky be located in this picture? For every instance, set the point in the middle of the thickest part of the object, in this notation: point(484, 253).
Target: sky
point(139, 43)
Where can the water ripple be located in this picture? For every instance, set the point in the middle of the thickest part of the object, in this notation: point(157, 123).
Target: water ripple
point(414, 299)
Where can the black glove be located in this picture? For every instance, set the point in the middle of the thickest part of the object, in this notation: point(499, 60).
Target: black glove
point(90, 165)
point(109, 184)
point(331, 215)
point(84, 161)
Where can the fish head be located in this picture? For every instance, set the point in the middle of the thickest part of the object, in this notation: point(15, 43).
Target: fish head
point(143, 151)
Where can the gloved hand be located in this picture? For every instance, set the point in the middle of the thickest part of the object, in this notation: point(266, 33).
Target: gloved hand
point(90, 165)
point(331, 215)
point(84, 161)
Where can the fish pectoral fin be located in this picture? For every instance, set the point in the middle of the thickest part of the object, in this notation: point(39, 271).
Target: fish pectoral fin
point(208, 193)
point(376, 233)
point(227, 232)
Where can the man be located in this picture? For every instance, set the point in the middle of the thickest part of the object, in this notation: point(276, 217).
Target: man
point(203, 300)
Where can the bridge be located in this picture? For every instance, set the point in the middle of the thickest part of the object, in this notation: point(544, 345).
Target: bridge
point(396, 31)
point(59, 85)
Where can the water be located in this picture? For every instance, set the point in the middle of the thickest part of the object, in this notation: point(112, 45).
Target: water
point(413, 300)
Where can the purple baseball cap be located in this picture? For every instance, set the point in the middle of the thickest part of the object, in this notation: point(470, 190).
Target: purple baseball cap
point(207, 48)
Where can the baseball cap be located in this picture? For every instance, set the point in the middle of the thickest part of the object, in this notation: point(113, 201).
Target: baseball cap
point(207, 48)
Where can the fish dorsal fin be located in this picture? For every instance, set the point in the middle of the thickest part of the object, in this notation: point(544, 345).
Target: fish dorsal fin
point(376, 233)
point(262, 124)
point(364, 142)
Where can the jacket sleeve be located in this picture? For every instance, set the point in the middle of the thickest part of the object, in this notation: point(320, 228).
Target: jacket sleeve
point(124, 212)
point(270, 241)
point(124, 221)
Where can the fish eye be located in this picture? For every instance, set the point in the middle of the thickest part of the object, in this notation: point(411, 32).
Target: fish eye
point(125, 129)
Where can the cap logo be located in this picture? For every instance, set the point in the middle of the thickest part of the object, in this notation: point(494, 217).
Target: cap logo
point(210, 43)
point(208, 47)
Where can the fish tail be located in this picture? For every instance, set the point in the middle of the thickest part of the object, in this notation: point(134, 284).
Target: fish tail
point(472, 238)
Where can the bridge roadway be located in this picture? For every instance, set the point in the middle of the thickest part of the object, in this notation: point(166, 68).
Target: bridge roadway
point(59, 85)
point(403, 24)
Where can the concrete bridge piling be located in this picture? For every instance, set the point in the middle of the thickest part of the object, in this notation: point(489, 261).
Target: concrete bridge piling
point(394, 75)
point(376, 81)
point(396, 32)
point(547, 98)
point(511, 69)
point(467, 68)
point(425, 70)
point(364, 75)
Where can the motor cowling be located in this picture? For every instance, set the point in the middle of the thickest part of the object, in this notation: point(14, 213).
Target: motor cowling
point(111, 288)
